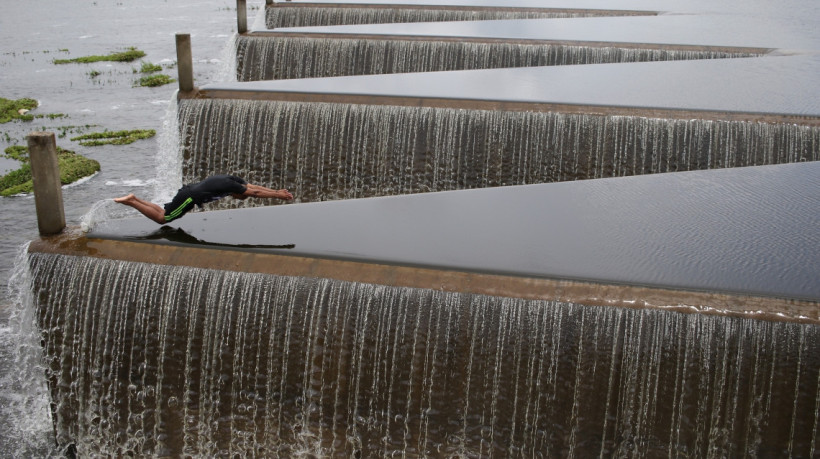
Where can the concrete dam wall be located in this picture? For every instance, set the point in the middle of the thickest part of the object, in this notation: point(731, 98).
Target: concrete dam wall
point(323, 151)
point(177, 360)
point(294, 14)
point(272, 56)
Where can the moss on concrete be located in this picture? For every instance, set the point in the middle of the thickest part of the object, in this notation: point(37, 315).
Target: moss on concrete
point(95, 139)
point(72, 166)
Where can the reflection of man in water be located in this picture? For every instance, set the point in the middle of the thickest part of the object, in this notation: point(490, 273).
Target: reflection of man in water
point(208, 190)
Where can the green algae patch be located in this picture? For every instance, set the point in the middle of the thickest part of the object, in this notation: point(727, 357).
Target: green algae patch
point(10, 109)
point(72, 166)
point(96, 139)
point(129, 55)
point(156, 80)
point(148, 67)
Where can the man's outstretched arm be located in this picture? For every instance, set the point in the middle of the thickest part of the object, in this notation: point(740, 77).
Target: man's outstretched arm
point(257, 191)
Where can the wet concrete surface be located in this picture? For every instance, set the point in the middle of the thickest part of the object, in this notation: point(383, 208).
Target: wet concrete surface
point(751, 230)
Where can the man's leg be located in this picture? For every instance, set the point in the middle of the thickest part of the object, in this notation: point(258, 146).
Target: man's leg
point(149, 209)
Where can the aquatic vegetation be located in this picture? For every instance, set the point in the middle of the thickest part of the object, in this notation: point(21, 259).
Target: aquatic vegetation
point(114, 137)
point(148, 67)
point(94, 73)
point(72, 166)
point(16, 152)
point(16, 109)
point(156, 80)
point(130, 55)
point(65, 130)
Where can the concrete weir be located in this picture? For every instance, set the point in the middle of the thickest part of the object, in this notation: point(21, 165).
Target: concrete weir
point(273, 55)
point(437, 131)
point(562, 231)
point(381, 326)
point(282, 14)
point(477, 298)
point(310, 52)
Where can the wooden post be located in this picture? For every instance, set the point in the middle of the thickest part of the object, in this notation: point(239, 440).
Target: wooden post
point(185, 64)
point(45, 175)
point(241, 16)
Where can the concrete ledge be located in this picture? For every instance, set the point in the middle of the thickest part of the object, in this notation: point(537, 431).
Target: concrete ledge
point(749, 87)
point(522, 41)
point(300, 14)
point(499, 105)
point(434, 7)
point(584, 293)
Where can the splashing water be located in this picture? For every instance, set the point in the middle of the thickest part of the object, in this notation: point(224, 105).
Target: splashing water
point(168, 158)
point(227, 71)
point(24, 401)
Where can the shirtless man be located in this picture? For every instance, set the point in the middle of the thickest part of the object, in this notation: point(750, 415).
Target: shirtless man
point(208, 190)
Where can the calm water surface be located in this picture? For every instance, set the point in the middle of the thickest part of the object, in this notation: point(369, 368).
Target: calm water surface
point(33, 34)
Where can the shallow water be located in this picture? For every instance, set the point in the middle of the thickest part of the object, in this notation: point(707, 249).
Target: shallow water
point(35, 33)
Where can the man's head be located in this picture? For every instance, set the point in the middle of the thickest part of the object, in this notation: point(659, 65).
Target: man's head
point(238, 196)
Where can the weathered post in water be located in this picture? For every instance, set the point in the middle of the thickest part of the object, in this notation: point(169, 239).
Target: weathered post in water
point(45, 175)
point(241, 16)
point(185, 64)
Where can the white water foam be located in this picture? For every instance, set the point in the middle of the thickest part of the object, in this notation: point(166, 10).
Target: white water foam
point(24, 402)
point(169, 156)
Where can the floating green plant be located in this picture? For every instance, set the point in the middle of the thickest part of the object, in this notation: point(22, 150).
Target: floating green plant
point(130, 55)
point(72, 166)
point(156, 80)
point(114, 137)
point(64, 130)
point(148, 67)
point(16, 109)
point(16, 152)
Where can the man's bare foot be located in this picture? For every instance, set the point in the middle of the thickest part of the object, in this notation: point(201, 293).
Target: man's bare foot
point(125, 199)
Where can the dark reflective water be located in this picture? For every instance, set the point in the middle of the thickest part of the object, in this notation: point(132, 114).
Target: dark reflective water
point(752, 230)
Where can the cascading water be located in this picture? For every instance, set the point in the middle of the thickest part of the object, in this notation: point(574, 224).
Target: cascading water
point(159, 360)
point(305, 16)
point(324, 151)
point(275, 58)
point(25, 420)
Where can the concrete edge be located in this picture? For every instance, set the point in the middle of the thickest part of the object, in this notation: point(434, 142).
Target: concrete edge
point(498, 105)
point(75, 243)
point(504, 9)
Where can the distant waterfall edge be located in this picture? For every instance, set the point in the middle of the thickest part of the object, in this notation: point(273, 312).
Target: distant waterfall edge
point(301, 15)
point(324, 151)
point(285, 56)
point(163, 360)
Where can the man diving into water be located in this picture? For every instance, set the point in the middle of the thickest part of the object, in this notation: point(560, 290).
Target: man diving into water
point(208, 190)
